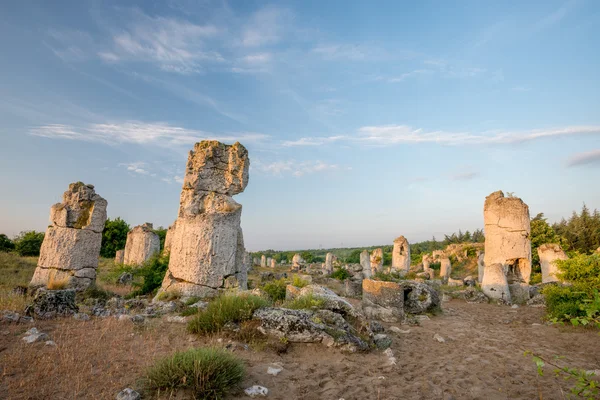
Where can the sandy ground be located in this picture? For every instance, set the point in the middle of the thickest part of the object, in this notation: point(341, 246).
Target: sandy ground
point(482, 358)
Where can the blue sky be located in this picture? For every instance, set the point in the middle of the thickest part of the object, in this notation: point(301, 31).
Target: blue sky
point(364, 120)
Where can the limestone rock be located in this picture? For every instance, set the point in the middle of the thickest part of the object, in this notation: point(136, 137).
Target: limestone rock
point(401, 255)
point(263, 261)
point(365, 262)
point(273, 263)
point(119, 256)
point(353, 288)
point(142, 243)
point(507, 236)
point(297, 261)
point(207, 250)
point(295, 325)
point(494, 284)
point(52, 303)
point(383, 300)
point(256, 391)
point(549, 253)
point(333, 302)
point(128, 394)
point(33, 336)
point(419, 298)
point(169, 238)
point(480, 267)
point(71, 246)
point(377, 261)
point(329, 263)
point(455, 282)
point(445, 269)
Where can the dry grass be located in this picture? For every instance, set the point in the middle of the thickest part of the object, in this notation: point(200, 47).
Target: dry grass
point(15, 270)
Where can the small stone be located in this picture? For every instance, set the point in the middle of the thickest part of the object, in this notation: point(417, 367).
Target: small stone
point(376, 327)
point(395, 329)
point(390, 355)
point(176, 319)
point(81, 317)
point(256, 391)
point(9, 316)
point(515, 306)
point(35, 336)
point(200, 304)
point(137, 319)
point(274, 370)
point(439, 338)
point(128, 394)
point(422, 318)
point(382, 341)
point(51, 343)
point(25, 320)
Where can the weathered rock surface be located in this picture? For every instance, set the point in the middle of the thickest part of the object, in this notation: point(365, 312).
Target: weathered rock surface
point(71, 246)
point(128, 394)
point(445, 269)
point(297, 261)
point(142, 243)
point(273, 263)
point(353, 288)
point(401, 255)
point(376, 261)
point(169, 238)
point(329, 263)
point(494, 284)
point(419, 298)
point(263, 261)
point(207, 247)
point(549, 253)
point(52, 303)
point(383, 300)
point(119, 256)
point(480, 267)
point(365, 262)
point(507, 237)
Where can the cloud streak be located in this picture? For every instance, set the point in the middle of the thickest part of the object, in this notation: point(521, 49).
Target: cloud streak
point(294, 168)
point(584, 159)
point(136, 132)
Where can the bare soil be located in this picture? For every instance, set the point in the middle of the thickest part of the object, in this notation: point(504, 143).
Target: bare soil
point(482, 358)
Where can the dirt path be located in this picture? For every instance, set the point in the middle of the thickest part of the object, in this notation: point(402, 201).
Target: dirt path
point(482, 358)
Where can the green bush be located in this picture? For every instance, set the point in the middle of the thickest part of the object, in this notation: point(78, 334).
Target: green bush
point(579, 302)
point(275, 289)
point(5, 243)
point(306, 302)
point(225, 309)
point(114, 237)
point(29, 243)
point(208, 372)
point(299, 282)
point(152, 273)
point(341, 274)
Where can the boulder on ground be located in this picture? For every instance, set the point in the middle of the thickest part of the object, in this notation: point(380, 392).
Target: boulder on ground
point(49, 304)
point(549, 254)
point(383, 300)
point(419, 297)
point(494, 284)
point(142, 243)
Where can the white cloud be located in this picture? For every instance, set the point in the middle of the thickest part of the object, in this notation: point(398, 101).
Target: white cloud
point(586, 158)
point(174, 45)
point(341, 51)
point(465, 176)
point(314, 141)
point(265, 27)
point(136, 132)
point(407, 75)
point(136, 167)
point(294, 168)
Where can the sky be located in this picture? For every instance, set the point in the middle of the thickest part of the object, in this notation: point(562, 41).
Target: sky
point(363, 120)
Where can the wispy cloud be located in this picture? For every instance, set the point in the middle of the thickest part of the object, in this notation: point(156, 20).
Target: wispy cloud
point(407, 75)
point(464, 176)
point(137, 132)
point(555, 16)
point(397, 134)
point(586, 158)
point(294, 168)
point(265, 27)
point(173, 45)
point(136, 167)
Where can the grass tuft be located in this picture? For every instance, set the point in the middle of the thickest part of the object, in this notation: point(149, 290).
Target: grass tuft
point(208, 372)
point(307, 302)
point(225, 309)
point(275, 289)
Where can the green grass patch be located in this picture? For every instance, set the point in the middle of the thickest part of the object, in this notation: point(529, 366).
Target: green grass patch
point(275, 289)
point(209, 373)
point(306, 302)
point(299, 282)
point(341, 274)
point(225, 309)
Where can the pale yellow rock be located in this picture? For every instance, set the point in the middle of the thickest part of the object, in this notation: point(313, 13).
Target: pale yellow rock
point(401, 255)
point(445, 269)
point(377, 261)
point(142, 243)
point(549, 253)
point(365, 262)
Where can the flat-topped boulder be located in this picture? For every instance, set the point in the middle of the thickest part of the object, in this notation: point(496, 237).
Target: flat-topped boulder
point(142, 243)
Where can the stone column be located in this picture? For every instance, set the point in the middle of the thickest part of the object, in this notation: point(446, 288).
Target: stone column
point(401, 256)
point(71, 248)
point(376, 261)
point(329, 263)
point(207, 250)
point(142, 243)
point(549, 253)
point(365, 262)
point(263, 261)
point(273, 263)
point(480, 266)
point(445, 269)
point(119, 256)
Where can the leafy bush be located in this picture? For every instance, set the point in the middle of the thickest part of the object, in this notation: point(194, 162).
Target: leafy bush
point(306, 302)
point(5, 243)
point(579, 302)
point(162, 234)
point(382, 276)
point(225, 309)
point(341, 274)
point(29, 243)
point(299, 282)
point(152, 273)
point(275, 289)
point(354, 257)
point(208, 372)
point(114, 237)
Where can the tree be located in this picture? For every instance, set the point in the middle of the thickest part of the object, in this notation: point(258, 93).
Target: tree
point(114, 237)
point(5, 243)
point(162, 234)
point(28, 243)
point(354, 257)
point(307, 256)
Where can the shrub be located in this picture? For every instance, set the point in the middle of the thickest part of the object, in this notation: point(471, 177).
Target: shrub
point(340, 274)
point(306, 302)
point(536, 278)
point(225, 309)
point(5, 243)
point(95, 292)
point(435, 266)
point(382, 276)
point(299, 282)
point(152, 273)
point(114, 237)
point(579, 302)
point(29, 243)
point(208, 372)
point(275, 289)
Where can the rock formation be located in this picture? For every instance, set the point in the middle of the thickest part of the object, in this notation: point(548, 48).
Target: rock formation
point(377, 260)
point(445, 269)
point(263, 261)
point(207, 250)
point(142, 243)
point(427, 266)
point(383, 300)
point(507, 239)
point(365, 262)
point(71, 247)
point(269, 259)
point(494, 284)
point(273, 263)
point(549, 253)
point(119, 256)
point(480, 267)
point(296, 261)
point(169, 238)
point(329, 263)
point(401, 255)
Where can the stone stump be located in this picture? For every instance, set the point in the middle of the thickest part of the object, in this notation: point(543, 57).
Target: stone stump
point(142, 243)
